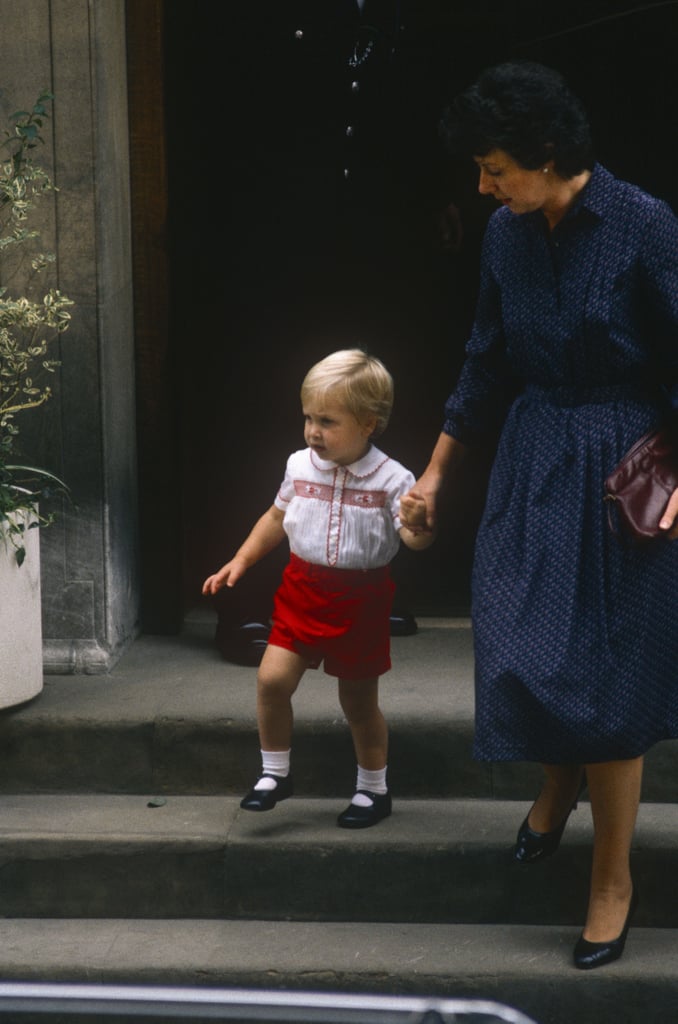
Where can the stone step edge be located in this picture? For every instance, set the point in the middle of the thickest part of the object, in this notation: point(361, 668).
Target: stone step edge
point(526, 967)
point(192, 950)
point(208, 757)
point(215, 821)
point(204, 857)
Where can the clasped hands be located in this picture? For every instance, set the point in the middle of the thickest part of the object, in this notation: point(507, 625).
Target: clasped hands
point(413, 513)
point(416, 518)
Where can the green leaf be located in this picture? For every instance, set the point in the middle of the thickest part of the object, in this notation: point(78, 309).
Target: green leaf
point(43, 473)
point(28, 323)
point(28, 131)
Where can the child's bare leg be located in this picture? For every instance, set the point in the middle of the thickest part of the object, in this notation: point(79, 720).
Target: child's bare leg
point(279, 674)
point(359, 700)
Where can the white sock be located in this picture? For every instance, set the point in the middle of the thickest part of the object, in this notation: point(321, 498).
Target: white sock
point(373, 782)
point(275, 762)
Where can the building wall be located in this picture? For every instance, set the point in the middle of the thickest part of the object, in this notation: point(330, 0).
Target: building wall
point(90, 580)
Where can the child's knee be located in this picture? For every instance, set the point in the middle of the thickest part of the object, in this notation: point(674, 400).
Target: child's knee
point(360, 698)
point(273, 685)
point(361, 710)
point(269, 683)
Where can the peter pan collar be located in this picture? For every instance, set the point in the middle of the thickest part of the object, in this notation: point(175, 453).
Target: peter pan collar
point(364, 467)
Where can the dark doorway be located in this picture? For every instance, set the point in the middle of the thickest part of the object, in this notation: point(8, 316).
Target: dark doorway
point(291, 235)
point(306, 194)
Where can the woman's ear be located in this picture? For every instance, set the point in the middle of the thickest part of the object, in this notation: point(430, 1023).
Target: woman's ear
point(548, 164)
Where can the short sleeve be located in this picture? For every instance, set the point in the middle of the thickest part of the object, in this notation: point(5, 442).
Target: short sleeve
point(286, 489)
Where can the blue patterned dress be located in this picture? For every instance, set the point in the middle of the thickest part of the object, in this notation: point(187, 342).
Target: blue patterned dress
point(575, 351)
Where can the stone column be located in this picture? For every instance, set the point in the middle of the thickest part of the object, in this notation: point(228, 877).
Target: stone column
point(90, 580)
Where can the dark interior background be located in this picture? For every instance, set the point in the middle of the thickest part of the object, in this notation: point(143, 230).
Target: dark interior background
point(290, 238)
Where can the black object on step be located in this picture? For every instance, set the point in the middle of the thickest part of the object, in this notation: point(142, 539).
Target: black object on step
point(403, 623)
point(244, 643)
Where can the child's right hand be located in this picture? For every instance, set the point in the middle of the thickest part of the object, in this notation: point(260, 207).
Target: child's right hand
point(266, 533)
point(227, 576)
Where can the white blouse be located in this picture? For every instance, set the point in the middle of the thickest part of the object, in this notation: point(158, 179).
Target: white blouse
point(344, 516)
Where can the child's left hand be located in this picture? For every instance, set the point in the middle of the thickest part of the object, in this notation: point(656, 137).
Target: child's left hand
point(413, 513)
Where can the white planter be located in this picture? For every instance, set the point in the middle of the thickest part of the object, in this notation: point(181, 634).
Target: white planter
point(21, 672)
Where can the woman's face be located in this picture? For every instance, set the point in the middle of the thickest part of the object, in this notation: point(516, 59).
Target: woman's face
point(521, 190)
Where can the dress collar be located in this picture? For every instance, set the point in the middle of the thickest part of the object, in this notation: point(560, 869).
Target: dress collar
point(593, 199)
point(595, 192)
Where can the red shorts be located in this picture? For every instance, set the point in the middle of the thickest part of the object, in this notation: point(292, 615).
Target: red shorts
point(339, 616)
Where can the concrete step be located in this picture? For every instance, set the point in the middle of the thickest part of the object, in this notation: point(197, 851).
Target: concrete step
point(431, 861)
point(525, 967)
point(173, 717)
point(124, 855)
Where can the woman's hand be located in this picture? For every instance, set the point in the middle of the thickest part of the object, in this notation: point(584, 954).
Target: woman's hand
point(414, 529)
point(669, 521)
point(418, 508)
point(413, 512)
point(446, 454)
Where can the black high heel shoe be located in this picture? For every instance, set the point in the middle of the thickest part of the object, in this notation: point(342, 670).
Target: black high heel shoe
point(588, 955)
point(533, 846)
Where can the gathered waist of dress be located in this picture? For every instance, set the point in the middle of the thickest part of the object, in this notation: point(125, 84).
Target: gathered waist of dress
point(573, 394)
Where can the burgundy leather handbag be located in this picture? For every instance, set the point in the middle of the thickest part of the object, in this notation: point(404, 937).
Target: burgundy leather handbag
point(641, 485)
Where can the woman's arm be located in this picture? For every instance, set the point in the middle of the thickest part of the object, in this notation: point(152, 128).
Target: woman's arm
point(446, 455)
point(660, 270)
point(266, 534)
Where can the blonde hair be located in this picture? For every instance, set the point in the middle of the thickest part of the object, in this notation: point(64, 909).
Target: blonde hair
point(359, 382)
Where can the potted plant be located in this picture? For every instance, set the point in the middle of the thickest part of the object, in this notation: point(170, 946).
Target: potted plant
point(32, 316)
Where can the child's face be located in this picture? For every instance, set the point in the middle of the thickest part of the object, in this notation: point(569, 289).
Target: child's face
point(334, 433)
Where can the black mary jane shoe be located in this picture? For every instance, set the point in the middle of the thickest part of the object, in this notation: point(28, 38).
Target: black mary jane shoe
point(266, 799)
point(534, 846)
point(356, 816)
point(588, 955)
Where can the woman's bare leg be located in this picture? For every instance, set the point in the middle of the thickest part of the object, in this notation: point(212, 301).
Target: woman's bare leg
point(558, 794)
point(614, 789)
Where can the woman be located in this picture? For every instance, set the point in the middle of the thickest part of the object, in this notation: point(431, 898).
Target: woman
point(574, 352)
